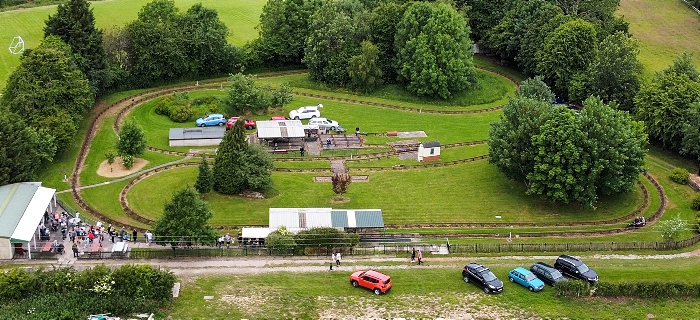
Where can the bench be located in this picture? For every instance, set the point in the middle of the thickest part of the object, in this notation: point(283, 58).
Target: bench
point(46, 247)
point(280, 151)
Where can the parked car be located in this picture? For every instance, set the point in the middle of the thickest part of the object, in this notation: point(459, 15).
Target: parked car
point(214, 119)
point(249, 123)
point(575, 268)
point(526, 279)
point(370, 279)
point(306, 112)
point(482, 277)
point(547, 273)
point(324, 124)
point(279, 118)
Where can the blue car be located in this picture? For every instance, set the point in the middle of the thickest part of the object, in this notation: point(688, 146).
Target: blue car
point(213, 119)
point(525, 278)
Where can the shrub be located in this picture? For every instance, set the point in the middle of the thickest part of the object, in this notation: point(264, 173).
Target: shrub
point(110, 155)
point(696, 203)
point(680, 176)
point(164, 105)
point(202, 101)
point(573, 288)
point(326, 237)
point(181, 114)
point(128, 161)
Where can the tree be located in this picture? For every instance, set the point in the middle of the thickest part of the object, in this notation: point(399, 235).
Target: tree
point(364, 70)
point(672, 228)
point(19, 152)
point(110, 155)
point(49, 91)
point(131, 140)
point(333, 39)
point(383, 21)
point(690, 144)
point(564, 155)
point(484, 14)
point(340, 183)
point(205, 178)
point(664, 104)
point(240, 166)
point(511, 139)
point(245, 96)
point(569, 50)
point(434, 55)
point(683, 64)
point(185, 217)
point(280, 240)
point(205, 41)
point(74, 23)
point(284, 27)
point(615, 74)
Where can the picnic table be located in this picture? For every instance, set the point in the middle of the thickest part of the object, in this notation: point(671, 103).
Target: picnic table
point(95, 251)
point(46, 247)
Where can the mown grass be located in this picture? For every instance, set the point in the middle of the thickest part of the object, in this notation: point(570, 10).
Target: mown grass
point(446, 155)
point(105, 200)
point(429, 292)
point(241, 17)
point(472, 192)
point(664, 28)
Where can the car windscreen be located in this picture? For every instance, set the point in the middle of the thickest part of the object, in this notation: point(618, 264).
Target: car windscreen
point(530, 277)
point(489, 276)
point(583, 268)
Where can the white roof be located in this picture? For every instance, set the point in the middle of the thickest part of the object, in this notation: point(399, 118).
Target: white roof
point(255, 232)
point(300, 218)
point(280, 129)
point(33, 214)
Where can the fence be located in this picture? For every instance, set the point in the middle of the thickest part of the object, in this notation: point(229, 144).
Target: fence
point(691, 6)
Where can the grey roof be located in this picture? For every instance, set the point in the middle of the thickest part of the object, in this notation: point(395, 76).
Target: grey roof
point(431, 144)
point(339, 218)
point(197, 133)
point(364, 218)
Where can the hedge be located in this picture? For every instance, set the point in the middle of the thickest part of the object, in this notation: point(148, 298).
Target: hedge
point(645, 289)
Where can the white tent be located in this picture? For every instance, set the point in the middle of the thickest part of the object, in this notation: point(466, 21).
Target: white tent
point(22, 206)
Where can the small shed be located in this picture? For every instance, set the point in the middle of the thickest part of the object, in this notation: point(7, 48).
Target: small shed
point(198, 136)
point(429, 151)
point(22, 208)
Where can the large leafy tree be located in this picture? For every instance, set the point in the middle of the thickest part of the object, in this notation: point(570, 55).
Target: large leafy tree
point(49, 90)
point(434, 55)
point(568, 50)
point(74, 23)
point(333, 39)
point(244, 95)
point(485, 14)
point(132, 141)
point(690, 145)
point(157, 44)
point(664, 104)
point(20, 156)
point(205, 40)
point(615, 74)
point(284, 27)
point(564, 155)
point(185, 218)
point(383, 21)
point(364, 69)
point(240, 166)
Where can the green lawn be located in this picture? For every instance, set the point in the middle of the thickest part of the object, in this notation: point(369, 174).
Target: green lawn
point(428, 292)
point(241, 17)
point(664, 28)
point(410, 196)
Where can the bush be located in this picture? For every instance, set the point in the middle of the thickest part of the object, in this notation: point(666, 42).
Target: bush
point(128, 161)
point(164, 105)
point(696, 203)
point(680, 176)
point(572, 288)
point(181, 114)
point(326, 237)
point(654, 290)
point(202, 101)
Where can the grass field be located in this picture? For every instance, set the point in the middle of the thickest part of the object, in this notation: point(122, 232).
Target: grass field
point(241, 17)
point(664, 28)
point(428, 292)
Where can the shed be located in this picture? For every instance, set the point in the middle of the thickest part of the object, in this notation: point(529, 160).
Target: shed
point(22, 208)
point(198, 136)
point(429, 151)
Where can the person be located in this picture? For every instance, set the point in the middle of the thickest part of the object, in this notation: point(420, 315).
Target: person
point(413, 255)
point(63, 232)
point(337, 259)
point(357, 131)
point(72, 234)
point(328, 143)
point(134, 234)
point(220, 242)
point(75, 249)
point(301, 150)
point(112, 234)
point(420, 257)
point(149, 237)
point(332, 260)
point(227, 238)
point(122, 232)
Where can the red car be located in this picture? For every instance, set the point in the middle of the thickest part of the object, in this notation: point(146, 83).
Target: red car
point(249, 123)
point(370, 279)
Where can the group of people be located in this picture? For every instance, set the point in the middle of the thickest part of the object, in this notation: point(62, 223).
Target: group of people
point(638, 222)
point(224, 239)
point(413, 256)
point(335, 258)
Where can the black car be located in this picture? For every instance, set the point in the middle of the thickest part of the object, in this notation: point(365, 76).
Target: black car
point(547, 273)
point(482, 277)
point(575, 268)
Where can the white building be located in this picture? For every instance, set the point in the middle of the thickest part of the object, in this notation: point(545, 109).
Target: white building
point(22, 207)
